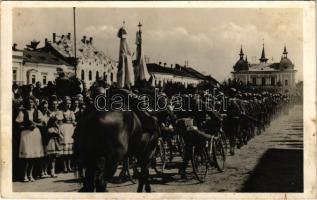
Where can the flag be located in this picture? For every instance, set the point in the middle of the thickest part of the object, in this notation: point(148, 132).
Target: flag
point(125, 76)
point(140, 70)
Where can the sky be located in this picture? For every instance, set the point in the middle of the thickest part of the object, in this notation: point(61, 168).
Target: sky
point(208, 38)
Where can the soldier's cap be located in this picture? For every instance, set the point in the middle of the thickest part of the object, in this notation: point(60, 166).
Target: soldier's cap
point(44, 102)
point(79, 96)
point(53, 98)
point(66, 98)
point(99, 90)
point(233, 90)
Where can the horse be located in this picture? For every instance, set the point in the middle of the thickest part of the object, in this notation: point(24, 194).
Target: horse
point(106, 138)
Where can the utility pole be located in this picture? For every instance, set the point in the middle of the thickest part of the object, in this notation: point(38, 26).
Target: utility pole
point(75, 49)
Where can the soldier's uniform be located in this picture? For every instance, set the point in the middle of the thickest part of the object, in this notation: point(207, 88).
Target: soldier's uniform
point(232, 123)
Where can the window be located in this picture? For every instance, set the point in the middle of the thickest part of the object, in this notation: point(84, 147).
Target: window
point(44, 80)
point(105, 76)
point(263, 81)
point(272, 81)
point(286, 82)
point(14, 75)
point(90, 75)
point(111, 77)
point(97, 75)
point(254, 81)
point(33, 79)
point(82, 75)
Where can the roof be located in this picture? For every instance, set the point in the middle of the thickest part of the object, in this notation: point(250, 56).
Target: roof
point(286, 64)
point(85, 50)
point(156, 68)
point(262, 67)
point(194, 72)
point(179, 70)
point(39, 56)
point(241, 65)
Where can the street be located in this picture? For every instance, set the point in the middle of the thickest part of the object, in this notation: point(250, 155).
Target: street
point(271, 162)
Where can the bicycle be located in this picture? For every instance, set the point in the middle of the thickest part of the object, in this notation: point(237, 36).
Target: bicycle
point(211, 153)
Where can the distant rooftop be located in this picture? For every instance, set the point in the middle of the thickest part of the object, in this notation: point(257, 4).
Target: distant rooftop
point(38, 56)
point(179, 70)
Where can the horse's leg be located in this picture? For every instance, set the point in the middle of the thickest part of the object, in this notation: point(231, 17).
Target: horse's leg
point(123, 173)
point(144, 177)
point(88, 184)
point(100, 179)
point(147, 182)
point(141, 180)
point(106, 168)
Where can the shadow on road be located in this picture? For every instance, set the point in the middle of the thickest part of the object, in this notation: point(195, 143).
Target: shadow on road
point(76, 180)
point(279, 170)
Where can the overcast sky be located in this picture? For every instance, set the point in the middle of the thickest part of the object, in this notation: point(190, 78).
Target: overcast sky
point(209, 38)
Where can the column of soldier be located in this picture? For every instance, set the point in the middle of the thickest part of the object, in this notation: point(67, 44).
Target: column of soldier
point(44, 124)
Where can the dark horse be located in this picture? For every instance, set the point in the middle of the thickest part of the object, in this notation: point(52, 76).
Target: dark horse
point(104, 139)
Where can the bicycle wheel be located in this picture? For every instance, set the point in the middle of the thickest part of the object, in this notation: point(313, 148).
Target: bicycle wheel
point(224, 142)
point(200, 163)
point(160, 157)
point(219, 155)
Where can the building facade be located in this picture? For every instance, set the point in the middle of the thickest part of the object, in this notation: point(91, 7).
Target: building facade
point(185, 75)
point(91, 63)
point(30, 66)
point(278, 76)
point(43, 64)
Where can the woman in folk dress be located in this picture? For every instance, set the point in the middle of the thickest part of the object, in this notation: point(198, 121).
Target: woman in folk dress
point(67, 129)
point(75, 106)
point(53, 147)
point(46, 116)
point(31, 146)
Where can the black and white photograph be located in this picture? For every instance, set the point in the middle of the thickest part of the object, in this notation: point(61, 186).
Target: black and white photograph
point(158, 100)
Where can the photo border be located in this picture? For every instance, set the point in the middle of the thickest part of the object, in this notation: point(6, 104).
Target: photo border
point(309, 106)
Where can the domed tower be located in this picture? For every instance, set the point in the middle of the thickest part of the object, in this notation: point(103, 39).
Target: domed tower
point(285, 62)
point(241, 64)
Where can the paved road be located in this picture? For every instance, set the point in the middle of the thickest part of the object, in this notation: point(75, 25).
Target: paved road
point(271, 162)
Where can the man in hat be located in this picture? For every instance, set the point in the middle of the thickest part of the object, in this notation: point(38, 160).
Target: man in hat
point(233, 119)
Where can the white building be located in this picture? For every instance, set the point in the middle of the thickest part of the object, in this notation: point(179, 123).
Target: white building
point(278, 76)
point(31, 66)
point(92, 63)
point(163, 74)
point(42, 64)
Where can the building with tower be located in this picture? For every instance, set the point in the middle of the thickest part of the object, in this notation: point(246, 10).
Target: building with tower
point(277, 76)
point(43, 64)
